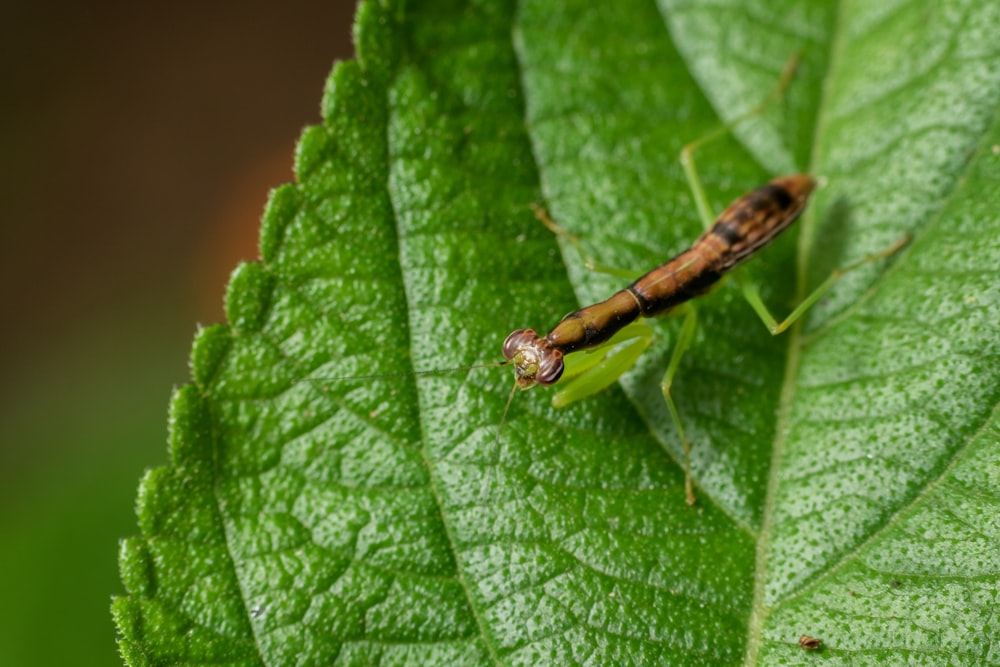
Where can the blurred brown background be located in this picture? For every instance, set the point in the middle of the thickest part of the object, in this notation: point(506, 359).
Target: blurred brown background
point(137, 146)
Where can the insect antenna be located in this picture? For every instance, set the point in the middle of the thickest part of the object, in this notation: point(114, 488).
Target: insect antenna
point(426, 371)
point(506, 409)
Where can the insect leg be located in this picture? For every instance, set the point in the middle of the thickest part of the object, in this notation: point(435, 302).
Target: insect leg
point(683, 342)
point(752, 294)
point(687, 153)
point(589, 371)
point(588, 262)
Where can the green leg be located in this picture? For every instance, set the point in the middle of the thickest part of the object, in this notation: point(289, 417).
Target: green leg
point(683, 343)
point(588, 262)
point(687, 153)
point(752, 295)
point(589, 371)
point(708, 218)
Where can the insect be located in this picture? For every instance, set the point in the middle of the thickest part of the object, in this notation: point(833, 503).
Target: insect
point(743, 228)
point(810, 643)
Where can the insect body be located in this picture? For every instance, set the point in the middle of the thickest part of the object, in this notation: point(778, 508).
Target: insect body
point(747, 225)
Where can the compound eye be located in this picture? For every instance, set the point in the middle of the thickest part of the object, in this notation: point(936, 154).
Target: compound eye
point(550, 368)
point(517, 340)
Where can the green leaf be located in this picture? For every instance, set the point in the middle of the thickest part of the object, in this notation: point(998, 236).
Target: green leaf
point(325, 505)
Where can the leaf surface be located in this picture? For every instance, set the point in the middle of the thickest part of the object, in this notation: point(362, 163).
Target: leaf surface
point(324, 505)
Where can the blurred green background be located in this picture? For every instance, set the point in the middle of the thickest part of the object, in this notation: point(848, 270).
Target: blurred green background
point(137, 147)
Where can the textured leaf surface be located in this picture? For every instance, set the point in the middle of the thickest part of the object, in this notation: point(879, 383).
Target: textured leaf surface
point(848, 476)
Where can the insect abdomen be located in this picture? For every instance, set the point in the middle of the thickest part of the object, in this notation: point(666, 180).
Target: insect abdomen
point(747, 225)
point(753, 220)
